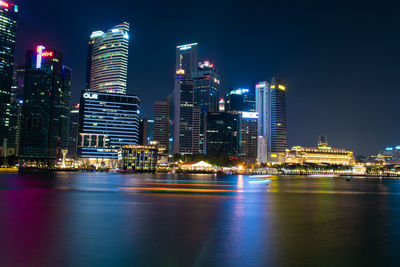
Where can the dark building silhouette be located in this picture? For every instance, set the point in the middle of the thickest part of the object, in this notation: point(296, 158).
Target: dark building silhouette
point(45, 112)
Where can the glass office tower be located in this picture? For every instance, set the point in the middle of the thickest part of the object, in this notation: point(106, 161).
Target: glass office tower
point(8, 29)
point(106, 122)
point(107, 66)
point(45, 111)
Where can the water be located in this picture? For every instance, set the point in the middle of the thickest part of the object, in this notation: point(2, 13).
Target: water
point(100, 219)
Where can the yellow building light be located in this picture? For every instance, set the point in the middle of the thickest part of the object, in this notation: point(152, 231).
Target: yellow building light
point(280, 86)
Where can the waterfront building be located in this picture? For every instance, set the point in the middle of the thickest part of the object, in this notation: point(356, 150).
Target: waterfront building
point(248, 136)
point(186, 117)
point(138, 158)
point(45, 111)
point(222, 133)
point(8, 29)
point(322, 154)
point(106, 122)
point(161, 123)
point(240, 99)
point(186, 58)
point(107, 66)
point(73, 131)
point(277, 123)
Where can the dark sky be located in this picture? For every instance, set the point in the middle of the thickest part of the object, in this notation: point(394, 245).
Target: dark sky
point(340, 59)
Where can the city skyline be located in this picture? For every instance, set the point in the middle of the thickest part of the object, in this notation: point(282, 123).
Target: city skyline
point(319, 66)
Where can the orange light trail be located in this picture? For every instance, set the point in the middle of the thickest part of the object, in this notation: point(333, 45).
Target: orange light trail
point(166, 189)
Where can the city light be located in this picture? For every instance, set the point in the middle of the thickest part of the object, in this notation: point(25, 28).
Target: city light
point(4, 4)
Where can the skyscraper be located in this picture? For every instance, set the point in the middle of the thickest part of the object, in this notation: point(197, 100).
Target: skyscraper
point(186, 58)
point(107, 65)
point(248, 136)
point(186, 123)
point(73, 131)
point(262, 94)
point(107, 121)
point(45, 112)
point(277, 126)
point(186, 117)
point(206, 92)
point(161, 123)
point(222, 133)
point(8, 29)
point(240, 99)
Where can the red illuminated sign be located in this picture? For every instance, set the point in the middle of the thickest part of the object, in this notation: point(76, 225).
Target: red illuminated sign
point(47, 53)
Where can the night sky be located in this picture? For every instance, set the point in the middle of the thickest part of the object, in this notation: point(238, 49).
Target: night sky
point(340, 59)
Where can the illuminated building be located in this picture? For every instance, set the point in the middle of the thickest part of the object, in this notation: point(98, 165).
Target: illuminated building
point(392, 153)
point(248, 136)
point(186, 58)
point(262, 94)
point(206, 90)
point(222, 133)
point(15, 117)
point(322, 154)
point(241, 99)
point(139, 158)
point(8, 29)
point(221, 105)
point(186, 117)
point(106, 122)
point(276, 120)
point(161, 123)
point(47, 91)
point(73, 131)
point(107, 65)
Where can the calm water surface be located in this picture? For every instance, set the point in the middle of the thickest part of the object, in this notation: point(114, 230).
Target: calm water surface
point(101, 219)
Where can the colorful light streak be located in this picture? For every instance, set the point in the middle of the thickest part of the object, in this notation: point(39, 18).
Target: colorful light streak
point(190, 190)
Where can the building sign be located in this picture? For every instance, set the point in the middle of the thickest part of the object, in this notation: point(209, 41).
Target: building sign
point(250, 115)
point(90, 96)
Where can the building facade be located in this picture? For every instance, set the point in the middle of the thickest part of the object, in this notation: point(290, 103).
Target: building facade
point(161, 123)
point(106, 122)
point(277, 125)
point(319, 155)
point(222, 133)
point(206, 92)
point(138, 158)
point(248, 136)
point(45, 111)
point(73, 131)
point(241, 99)
point(262, 105)
point(8, 30)
point(107, 66)
point(186, 117)
point(186, 58)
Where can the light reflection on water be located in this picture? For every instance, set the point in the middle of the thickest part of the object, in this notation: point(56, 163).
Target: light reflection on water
point(197, 220)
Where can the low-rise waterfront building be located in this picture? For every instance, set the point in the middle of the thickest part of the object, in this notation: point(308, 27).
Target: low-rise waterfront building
point(138, 158)
point(319, 155)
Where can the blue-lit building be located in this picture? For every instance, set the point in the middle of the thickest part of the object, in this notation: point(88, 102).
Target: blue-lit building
point(240, 99)
point(8, 30)
point(106, 122)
